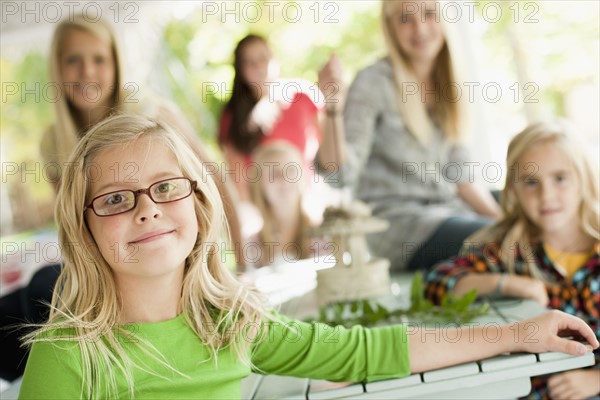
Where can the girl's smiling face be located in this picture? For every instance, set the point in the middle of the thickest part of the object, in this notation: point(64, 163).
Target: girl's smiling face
point(548, 189)
point(151, 240)
point(87, 69)
point(282, 180)
point(418, 32)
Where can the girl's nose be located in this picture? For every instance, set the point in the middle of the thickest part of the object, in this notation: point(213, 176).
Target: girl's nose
point(546, 191)
point(88, 69)
point(419, 25)
point(146, 209)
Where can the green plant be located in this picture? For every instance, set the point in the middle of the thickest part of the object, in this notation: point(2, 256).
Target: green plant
point(453, 309)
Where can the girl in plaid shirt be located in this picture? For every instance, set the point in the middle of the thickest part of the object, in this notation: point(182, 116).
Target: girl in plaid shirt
point(546, 246)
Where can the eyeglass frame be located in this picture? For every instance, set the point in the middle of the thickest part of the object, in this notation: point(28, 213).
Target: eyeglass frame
point(138, 193)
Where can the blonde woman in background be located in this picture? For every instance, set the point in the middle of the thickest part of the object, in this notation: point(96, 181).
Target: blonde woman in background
point(400, 137)
point(86, 63)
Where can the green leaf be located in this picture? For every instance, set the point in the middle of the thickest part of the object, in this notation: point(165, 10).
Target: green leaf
point(416, 290)
point(452, 309)
point(381, 313)
point(323, 314)
point(338, 310)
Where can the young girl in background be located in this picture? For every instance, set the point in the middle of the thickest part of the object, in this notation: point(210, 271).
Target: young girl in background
point(546, 246)
point(145, 308)
point(278, 196)
point(86, 63)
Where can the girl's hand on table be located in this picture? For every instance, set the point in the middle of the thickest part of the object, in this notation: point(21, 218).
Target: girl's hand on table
point(548, 332)
point(578, 384)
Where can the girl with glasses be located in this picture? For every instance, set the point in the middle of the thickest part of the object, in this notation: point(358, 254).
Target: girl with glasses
point(87, 68)
point(145, 308)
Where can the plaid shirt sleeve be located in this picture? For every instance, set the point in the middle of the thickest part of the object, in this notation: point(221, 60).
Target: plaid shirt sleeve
point(473, 258)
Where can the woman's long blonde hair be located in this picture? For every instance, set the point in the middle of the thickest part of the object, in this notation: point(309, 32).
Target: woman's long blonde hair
point(86, 300)
point(516, 229)
point(447, 113)
point(61, 139)
point(257, 195)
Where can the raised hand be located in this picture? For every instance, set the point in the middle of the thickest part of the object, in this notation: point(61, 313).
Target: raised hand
point(330, 83)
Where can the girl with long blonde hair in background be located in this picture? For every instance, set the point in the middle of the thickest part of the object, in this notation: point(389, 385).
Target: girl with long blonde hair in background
point(399, 143)
point(546, 246)
point(278, 196)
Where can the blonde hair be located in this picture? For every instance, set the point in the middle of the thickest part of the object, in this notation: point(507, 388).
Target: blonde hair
point(86, 299)
point(515, 228)
point(61, 139)
point(448, 114)
point(257, 195)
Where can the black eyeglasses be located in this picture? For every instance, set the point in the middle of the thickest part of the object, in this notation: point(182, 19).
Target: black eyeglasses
point(121, 201)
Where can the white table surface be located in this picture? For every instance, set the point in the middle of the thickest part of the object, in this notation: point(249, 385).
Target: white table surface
point(501, 384)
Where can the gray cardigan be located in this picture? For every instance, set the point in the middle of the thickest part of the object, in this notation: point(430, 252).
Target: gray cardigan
point(411, 185)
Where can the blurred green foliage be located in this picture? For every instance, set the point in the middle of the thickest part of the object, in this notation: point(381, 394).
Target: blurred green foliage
point(25, 115)
point(368, 312)
point(554, 43)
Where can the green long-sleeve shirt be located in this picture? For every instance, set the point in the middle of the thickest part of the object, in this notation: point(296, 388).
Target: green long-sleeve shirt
point(291, 348)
